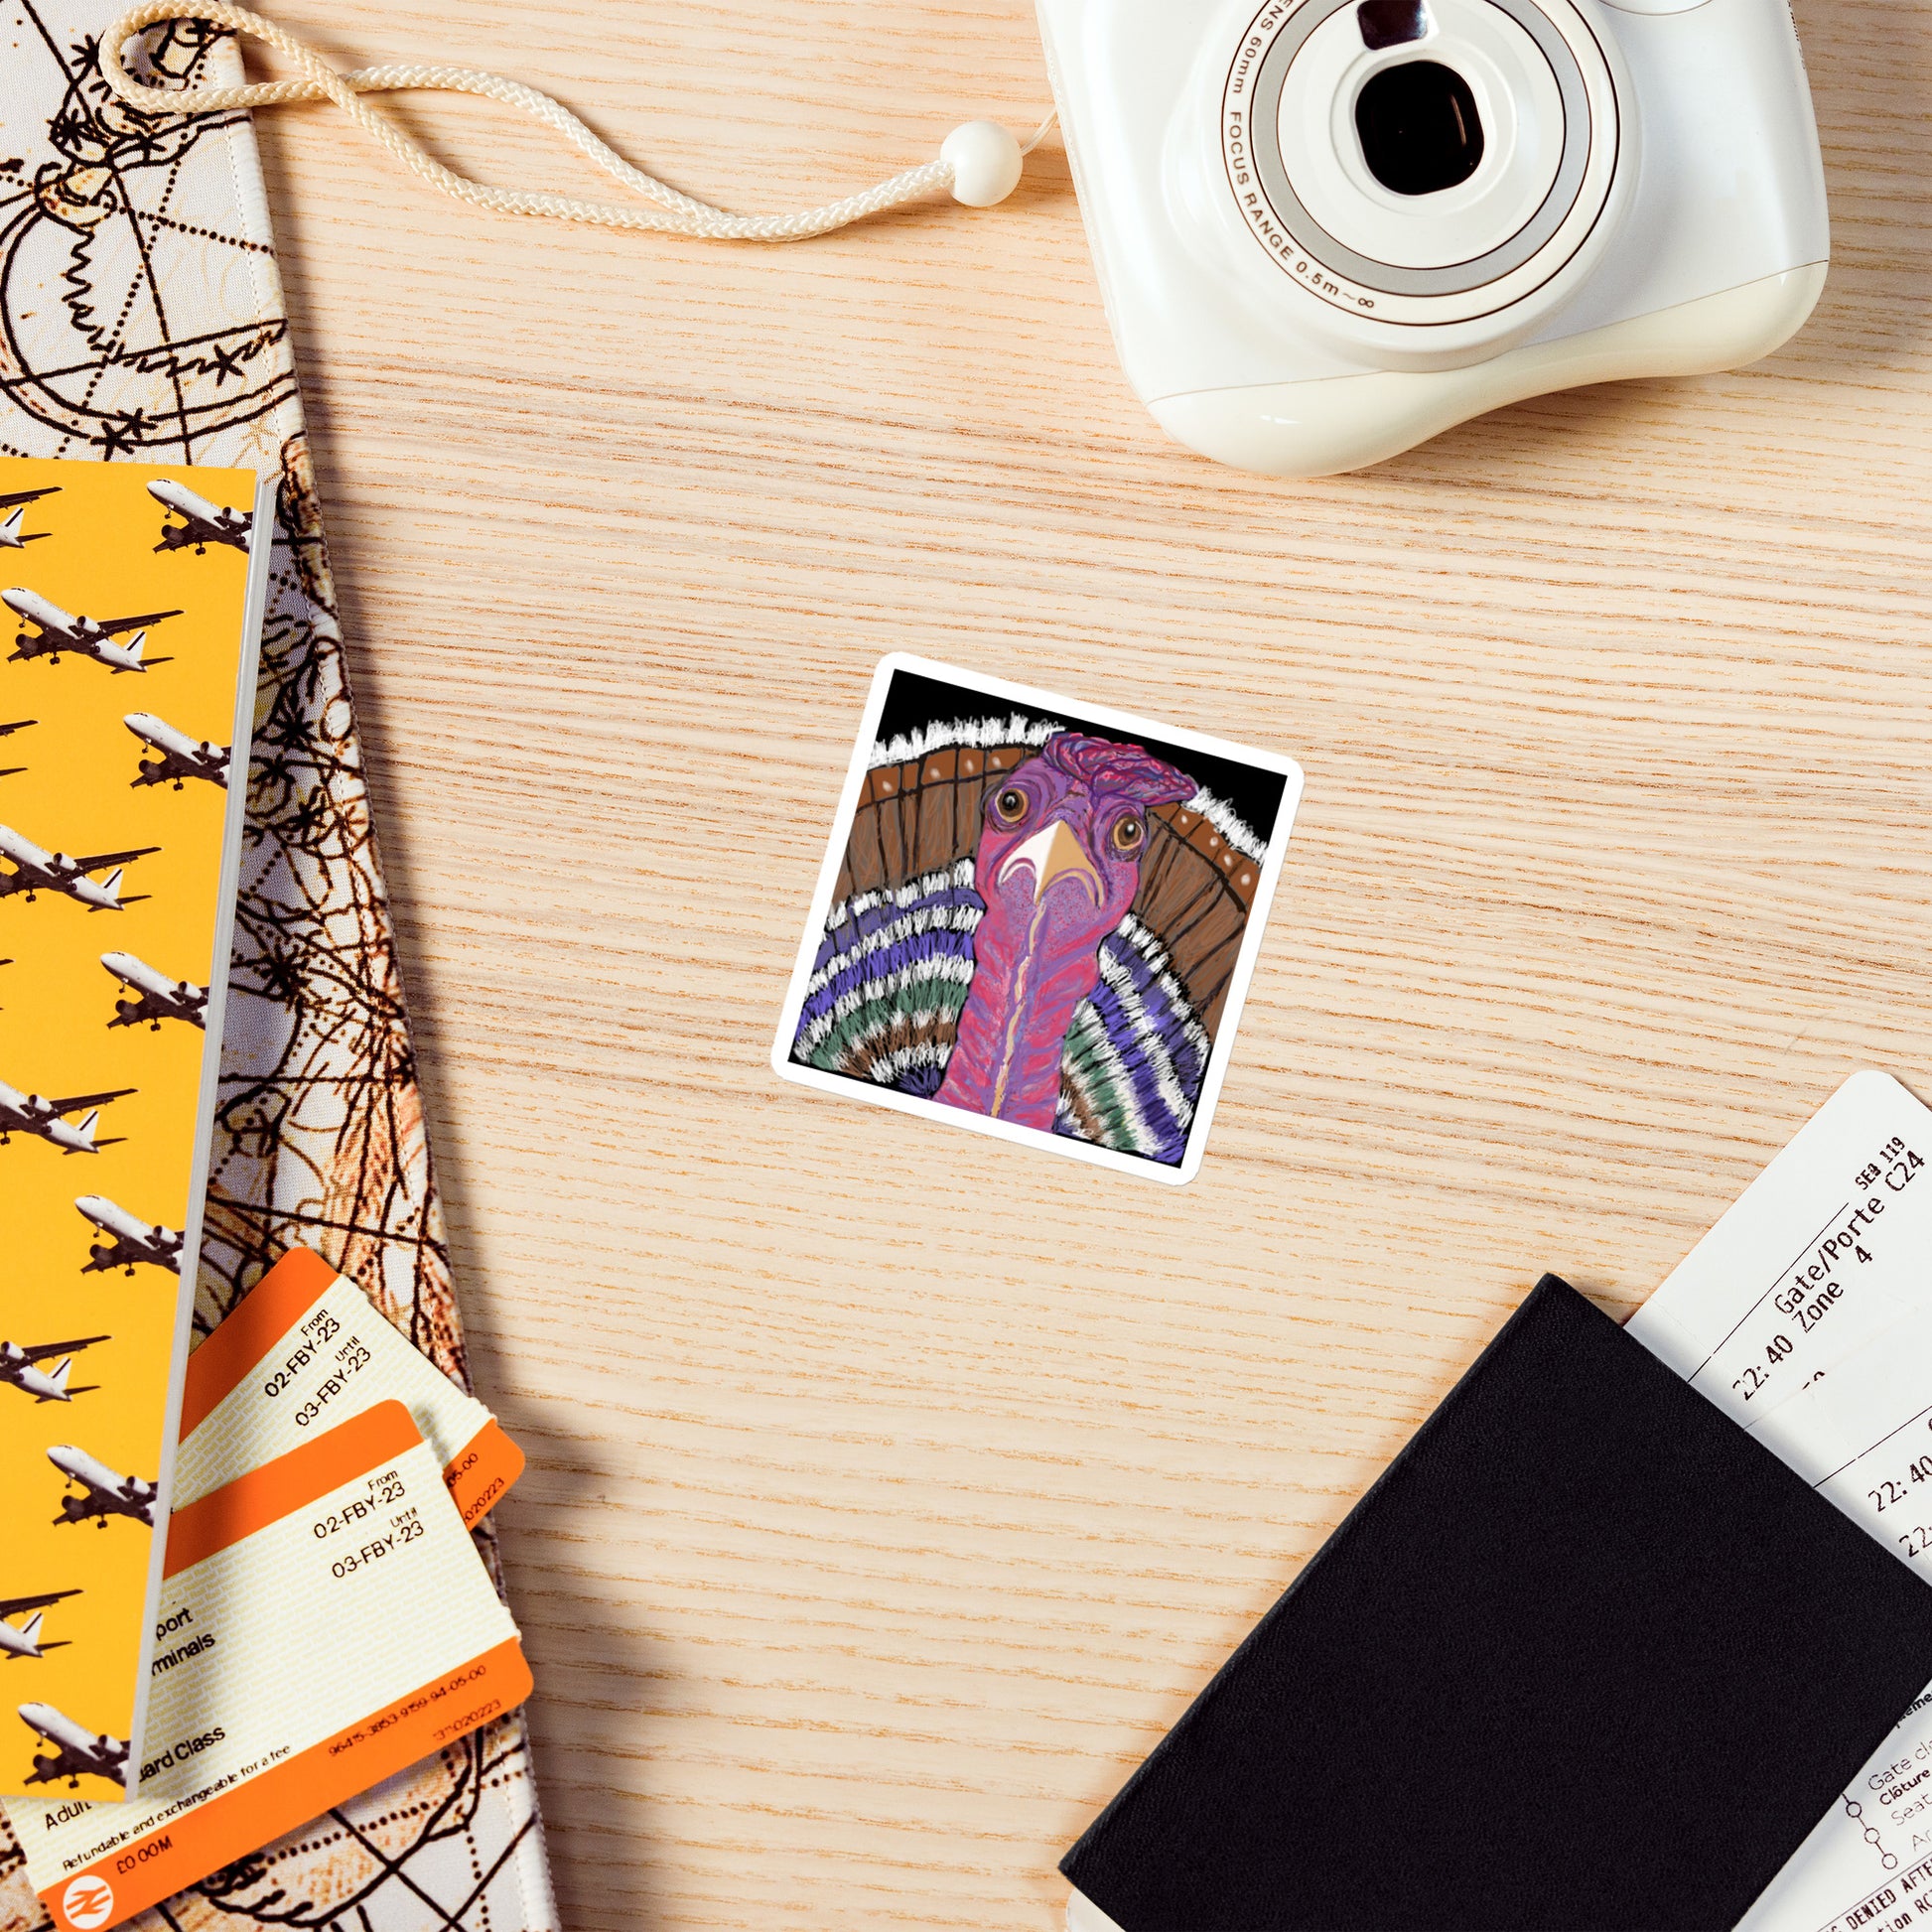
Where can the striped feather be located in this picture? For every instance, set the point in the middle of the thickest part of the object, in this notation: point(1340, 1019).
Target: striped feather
point(1135, 1054)
point(889, 981)
point(892, 976)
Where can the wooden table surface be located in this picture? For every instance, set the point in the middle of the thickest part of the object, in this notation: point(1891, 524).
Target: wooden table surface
point(894, 1489)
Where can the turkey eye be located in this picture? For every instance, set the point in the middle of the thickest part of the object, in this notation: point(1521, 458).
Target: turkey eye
point(1011, 804)
point(1129, 833)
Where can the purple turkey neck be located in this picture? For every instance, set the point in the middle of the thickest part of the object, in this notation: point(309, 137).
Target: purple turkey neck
point(1006, 1059)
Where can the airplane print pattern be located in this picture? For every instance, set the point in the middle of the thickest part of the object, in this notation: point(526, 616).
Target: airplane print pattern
point(102, 1056)
point(141, 319)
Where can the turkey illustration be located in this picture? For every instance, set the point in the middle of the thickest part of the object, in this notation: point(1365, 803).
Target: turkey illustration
point(1035, 922)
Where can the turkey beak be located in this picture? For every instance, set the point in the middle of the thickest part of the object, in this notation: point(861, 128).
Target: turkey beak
point(1052, 853)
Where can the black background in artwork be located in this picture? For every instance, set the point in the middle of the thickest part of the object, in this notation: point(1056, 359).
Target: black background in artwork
point(914, 701)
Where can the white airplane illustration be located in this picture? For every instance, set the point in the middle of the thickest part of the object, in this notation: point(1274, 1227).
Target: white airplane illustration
point(7, 731)
point(83, 637)
point(135, 1240)
point(32, 1113)
point(182, 756)
point(158, 998)
point(25, 1640)
point(202, 523)
point(18, 1367)
point(35, 872)
point(104, 1493)
point(77, 1749)
point(11, 536)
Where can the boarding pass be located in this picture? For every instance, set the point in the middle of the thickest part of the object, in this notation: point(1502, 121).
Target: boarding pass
point(325, 1622)
point(305, 1349)
point(1806, 1314)
point(1828, 1248)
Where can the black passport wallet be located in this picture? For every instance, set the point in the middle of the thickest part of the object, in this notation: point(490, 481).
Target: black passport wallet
point(1585, 1658)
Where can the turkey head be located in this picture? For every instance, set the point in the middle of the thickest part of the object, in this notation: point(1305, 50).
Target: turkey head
point(1058, 865)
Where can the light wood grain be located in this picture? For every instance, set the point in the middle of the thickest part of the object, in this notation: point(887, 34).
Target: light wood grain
point(891, 1490)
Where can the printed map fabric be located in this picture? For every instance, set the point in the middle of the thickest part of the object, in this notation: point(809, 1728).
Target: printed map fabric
point(141, 319)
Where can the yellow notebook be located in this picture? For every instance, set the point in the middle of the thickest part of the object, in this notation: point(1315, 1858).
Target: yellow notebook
point(133, 608)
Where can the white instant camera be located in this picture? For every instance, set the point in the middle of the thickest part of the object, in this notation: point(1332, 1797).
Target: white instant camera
point(1329, 229)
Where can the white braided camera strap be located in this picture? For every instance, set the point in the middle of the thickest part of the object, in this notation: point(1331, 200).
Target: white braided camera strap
point(671, 213)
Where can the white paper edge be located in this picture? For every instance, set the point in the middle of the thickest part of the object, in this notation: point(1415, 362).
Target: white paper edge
point(959, 1117)
point(261, 546)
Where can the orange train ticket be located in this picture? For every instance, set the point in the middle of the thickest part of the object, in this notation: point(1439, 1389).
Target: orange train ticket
point(302, 1350)
point(326, 1621)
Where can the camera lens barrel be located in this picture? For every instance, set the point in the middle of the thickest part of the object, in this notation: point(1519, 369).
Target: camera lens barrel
point(1423, 163)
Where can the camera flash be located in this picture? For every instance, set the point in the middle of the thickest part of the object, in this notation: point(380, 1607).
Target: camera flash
point(1389, 23)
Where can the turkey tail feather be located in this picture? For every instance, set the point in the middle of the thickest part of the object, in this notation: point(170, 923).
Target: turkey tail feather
point(889, 981)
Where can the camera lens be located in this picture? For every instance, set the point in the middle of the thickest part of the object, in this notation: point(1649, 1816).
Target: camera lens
point(1419, 128)
point(1425, 161)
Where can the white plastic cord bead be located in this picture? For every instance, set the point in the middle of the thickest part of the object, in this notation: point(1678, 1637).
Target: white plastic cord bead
point(985, 162)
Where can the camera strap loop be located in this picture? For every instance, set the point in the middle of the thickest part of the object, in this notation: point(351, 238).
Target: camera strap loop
point(979, 164)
